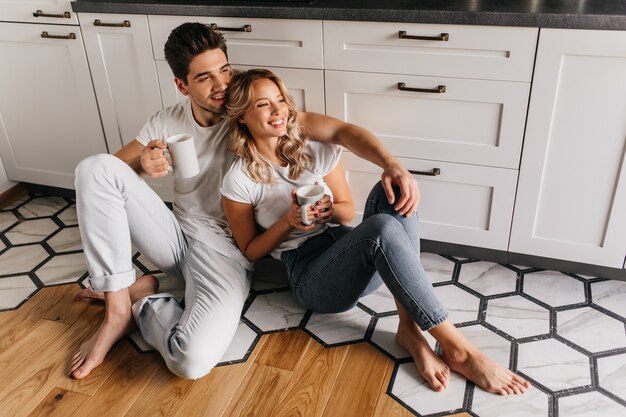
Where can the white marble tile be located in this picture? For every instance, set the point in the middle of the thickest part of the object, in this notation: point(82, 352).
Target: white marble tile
point(240, 345)
point(591, 329)
point(42, 207)
point(276, 311)
point(488, 278)
point(21, 259)
point(171, 285)
point(385, 337)
point(31, 231)
point(590, 404)
point(380, 301)
point(14, 290)
point(66, 240)
point(2, 246)
point(7, 219)
point(554, 288)
point(62, 269)
point(415, 392)
point(68, 216)
point(439, 269)
point(17, 202)
point(521, 267)
point(610, 295)
point(494, 346)
point(533, 403)
point(518, 316)
point(341, 327)
point(461, 305)
point(554, 364)
point(612, 374)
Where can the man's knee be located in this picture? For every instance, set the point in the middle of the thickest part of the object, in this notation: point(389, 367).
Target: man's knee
point(93, 167)
point(195, 362)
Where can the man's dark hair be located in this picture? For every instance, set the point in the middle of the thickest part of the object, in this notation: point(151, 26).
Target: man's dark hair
point(188, 40)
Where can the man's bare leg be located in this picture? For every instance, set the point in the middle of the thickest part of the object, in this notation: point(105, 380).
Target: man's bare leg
point(144, 286)
point(465, 358)
point(430, 366)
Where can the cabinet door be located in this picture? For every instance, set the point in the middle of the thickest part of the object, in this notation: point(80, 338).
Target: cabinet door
point(464, 204)
point(38, 11)
point(473, 121)
point(571, 202)
point(48, 113)
point(124, 73)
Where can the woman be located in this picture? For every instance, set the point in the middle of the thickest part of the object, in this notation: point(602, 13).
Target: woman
point(331, 267)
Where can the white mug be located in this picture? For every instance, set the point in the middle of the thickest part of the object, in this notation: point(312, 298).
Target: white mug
point(308, 195)
point(183, 157)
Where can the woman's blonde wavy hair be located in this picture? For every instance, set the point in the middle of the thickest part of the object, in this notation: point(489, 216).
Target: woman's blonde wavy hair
point(292, 147)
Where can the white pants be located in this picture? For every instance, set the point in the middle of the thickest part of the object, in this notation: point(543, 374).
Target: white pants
point(115, 206)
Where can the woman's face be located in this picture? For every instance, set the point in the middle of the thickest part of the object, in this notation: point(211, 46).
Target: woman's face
point(267, 116)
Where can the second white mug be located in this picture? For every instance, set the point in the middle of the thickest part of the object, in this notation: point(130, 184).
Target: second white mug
point(184, 160)
point(308, 195)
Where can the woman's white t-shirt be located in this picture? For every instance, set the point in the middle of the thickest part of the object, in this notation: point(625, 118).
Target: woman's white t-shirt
point(271, 201)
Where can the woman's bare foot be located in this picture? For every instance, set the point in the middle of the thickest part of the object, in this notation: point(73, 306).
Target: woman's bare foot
point(430, 366)
point(145, 285)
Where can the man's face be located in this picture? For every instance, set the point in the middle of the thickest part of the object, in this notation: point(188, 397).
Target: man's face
point(207, 82)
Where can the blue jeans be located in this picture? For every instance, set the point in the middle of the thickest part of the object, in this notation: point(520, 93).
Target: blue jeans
point(329, 272)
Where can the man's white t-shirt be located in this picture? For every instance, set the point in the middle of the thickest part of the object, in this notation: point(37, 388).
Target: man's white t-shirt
point(271, 201)
point(197, 200)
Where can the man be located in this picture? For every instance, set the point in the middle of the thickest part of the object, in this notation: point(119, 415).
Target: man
point(193, 242)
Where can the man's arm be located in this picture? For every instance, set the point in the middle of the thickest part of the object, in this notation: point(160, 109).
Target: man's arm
point(366, 145)
point(149, 160)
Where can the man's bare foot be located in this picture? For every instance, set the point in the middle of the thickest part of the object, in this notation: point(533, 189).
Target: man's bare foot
point(144, 286)
point(430, 366)
point(484, 372)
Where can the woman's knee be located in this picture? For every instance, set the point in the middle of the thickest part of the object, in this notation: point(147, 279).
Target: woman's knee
point(377, 201)
point(383, 226)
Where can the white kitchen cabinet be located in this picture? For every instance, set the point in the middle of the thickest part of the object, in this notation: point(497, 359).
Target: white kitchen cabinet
point(48, 111)
point(463, 204)
point(571, 202)
point(38, 11)
point(124, 73)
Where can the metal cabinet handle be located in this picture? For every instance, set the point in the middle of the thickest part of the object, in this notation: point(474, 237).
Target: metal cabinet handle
point(39, 13)
point(244, 28)
point(443, 37)
point(438, 90)
point(433, 173)
point(46, 35)
point(124, 24)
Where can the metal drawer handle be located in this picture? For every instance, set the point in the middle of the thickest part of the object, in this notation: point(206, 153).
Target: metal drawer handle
point(45, 35)
point(439, 89)
point(244, 28)
point(433, 173)
point(39, 13)
point(443, 37)
point(125, 24)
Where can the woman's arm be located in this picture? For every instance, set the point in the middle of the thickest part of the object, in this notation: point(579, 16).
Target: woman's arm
point(341, 209)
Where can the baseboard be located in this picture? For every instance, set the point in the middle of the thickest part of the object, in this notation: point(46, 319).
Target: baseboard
point(13, 194)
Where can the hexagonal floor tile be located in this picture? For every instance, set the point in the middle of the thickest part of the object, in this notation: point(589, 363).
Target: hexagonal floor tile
point(439, 269)
point(14, 290)
point(42, 207)
point(384, 337)
point(534, 403)
point(590, 404)
point(414, 391)
point(66, 240)
point(461, 305)
point(610, 295)
point(488, 278)
point(7, 219)
point(62, 269)
point(242, 344)
point(21, 259)
point(554, 288)
point(591, 329)
point(276, 311)
point(554, 364)
point(612, 374)
point(491, 344)
point(31, 231)
point(69, 216)
point(331, 329)
point(380, 301)
point(517, 316)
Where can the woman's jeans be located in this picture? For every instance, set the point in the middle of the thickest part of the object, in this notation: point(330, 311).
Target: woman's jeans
point(331, 271)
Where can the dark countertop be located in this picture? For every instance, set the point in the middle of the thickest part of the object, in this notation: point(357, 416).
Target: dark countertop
point(574, 14)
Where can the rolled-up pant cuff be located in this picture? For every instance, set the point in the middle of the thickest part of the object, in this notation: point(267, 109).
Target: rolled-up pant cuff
point(110, 283)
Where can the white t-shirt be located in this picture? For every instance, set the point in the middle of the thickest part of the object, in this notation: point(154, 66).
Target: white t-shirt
point(197, 200)
point(270, 202)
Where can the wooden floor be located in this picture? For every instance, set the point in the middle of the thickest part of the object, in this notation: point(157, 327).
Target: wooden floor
point(288, 374)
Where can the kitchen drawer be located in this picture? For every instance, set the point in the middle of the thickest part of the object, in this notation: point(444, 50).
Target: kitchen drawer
point(481, 52)
point(473, 121)
point(464, 204)
point(306, 86)
point(270, 42)
point(38, 11)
